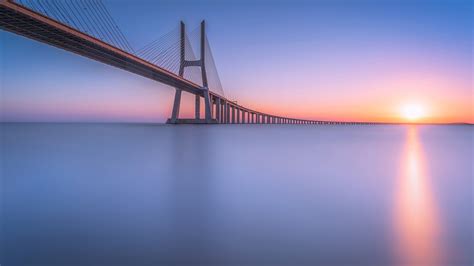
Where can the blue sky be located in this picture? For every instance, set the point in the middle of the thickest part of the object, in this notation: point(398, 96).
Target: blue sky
point(355, 60)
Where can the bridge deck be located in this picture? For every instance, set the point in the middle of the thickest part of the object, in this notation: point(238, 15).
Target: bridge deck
point(23, 21)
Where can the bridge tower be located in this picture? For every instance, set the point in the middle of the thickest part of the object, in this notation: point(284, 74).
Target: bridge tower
point(205, 89)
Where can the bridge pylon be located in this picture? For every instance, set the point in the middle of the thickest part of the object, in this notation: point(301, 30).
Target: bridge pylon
point(201, 62)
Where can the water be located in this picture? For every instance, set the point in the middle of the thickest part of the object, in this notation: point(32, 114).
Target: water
point(111, 194)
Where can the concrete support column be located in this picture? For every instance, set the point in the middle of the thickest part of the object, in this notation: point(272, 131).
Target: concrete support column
point(223, 112)
point(218, 109)
point(176, 104)
point(213, 103)
point(197, 107)
point(233, 114)
point(207, 106)
point(237, 111)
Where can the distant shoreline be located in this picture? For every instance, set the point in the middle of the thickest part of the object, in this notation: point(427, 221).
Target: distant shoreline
point(153, 123)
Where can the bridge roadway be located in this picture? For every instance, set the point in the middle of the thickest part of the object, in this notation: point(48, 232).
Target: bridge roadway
point(23, 21)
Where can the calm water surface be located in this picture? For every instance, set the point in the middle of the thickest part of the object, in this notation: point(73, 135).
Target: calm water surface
point(93, 194)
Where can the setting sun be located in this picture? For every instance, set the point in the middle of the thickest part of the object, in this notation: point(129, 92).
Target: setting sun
point(412, 112)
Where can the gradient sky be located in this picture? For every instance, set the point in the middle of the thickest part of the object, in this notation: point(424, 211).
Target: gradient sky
point(343, 60)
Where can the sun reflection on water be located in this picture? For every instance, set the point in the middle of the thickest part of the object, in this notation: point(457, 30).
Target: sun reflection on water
point(416, 218)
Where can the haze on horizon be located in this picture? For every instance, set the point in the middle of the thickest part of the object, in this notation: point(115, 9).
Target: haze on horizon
point(382, 61)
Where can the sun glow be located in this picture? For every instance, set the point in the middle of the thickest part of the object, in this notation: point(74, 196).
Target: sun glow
point(412, 112)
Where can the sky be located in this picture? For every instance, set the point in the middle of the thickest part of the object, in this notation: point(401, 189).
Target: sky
point(382, 61)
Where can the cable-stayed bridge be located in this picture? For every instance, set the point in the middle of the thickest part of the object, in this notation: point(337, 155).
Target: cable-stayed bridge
point(86, 27)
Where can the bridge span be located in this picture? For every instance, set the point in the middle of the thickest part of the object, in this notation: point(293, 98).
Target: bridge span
point(24, 21)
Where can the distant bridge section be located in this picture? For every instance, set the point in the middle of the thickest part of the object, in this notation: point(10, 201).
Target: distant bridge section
point(54, 24)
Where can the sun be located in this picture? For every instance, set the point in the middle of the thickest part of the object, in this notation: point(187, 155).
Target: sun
point(412, 111)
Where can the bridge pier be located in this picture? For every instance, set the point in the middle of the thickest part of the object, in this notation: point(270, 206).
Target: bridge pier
point(197, 107)
point(223, 111)
point(217, 102)
point(176, 104)
point(233, 114)
point(207, 105)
